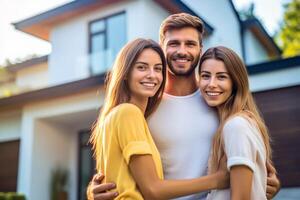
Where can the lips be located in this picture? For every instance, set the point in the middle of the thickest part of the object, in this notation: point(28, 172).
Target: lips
point(213, 94)
point(149, 84)
point(181, 59)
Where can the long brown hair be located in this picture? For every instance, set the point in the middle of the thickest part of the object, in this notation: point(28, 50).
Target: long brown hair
point(240, 102)
point(117, 90)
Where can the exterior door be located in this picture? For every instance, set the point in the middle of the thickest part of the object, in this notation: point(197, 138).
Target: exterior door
point(86, 163)
point(9, 159)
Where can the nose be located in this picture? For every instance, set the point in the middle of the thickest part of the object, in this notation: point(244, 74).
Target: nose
point(212, 82)
point(181, 49)
point(151, 73)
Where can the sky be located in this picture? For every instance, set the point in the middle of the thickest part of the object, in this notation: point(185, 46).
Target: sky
point(16, 44)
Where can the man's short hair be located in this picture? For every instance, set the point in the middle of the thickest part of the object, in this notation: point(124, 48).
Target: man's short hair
point(179, 21)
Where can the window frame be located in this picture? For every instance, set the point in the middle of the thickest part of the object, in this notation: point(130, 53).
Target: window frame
point(106, 36)
point(82, 146)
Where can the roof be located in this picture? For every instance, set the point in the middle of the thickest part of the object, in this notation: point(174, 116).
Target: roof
point(254, 25)
point(177, 6)
point(236, 13)
point(27, 63)
point(259, 31)
point(41, 24)
point(74, 87)
point(274, 65)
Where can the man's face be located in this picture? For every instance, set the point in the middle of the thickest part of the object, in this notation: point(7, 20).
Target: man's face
point(182, 50)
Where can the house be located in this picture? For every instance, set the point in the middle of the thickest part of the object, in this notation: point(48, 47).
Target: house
point(45, 123)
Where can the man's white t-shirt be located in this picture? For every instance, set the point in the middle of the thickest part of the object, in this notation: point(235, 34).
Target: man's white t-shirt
point(182, 128)
point(244, 146)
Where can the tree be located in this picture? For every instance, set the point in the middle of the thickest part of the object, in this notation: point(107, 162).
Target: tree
point(290, 31)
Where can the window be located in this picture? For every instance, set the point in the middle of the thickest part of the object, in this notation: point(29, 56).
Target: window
point(107, 36)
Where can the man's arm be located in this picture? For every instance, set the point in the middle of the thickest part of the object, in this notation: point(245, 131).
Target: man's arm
point(100, 191)
point(273, 183)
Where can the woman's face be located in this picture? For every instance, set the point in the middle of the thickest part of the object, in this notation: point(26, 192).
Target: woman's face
point(215, 82)
point(146, 75)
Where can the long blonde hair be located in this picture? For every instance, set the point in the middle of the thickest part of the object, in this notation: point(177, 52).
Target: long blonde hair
point(240, 102)
point(117, 90)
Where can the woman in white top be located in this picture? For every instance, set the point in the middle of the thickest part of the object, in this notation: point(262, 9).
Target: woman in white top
point(242, 135)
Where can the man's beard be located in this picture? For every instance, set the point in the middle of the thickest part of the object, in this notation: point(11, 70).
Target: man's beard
point(187, 73)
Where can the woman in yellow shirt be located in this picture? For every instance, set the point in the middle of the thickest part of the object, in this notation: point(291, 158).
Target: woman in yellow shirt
point(124, 149)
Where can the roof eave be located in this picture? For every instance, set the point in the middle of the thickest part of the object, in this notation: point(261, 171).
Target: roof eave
point(45, 94)
point(41, 24)
point(27, 63)
point(274, 65)
point(260, 32)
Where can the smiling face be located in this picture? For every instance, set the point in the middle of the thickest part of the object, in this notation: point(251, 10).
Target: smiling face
point(182, 49)
point(215, 82)
point(146, 75)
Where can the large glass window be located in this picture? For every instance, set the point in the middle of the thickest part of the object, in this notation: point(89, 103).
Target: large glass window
point(107, 36)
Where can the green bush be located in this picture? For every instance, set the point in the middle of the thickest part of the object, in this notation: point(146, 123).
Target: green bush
point(2, 196)
point(11, 196)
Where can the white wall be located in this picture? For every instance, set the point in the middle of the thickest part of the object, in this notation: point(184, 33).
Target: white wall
point(220, 15)
point(144, 19)
point(254, 51)
point(33, 77)
point(54, 146)
point(49, 138)
point(10, 125)
point(69, 58)
point(275, 79)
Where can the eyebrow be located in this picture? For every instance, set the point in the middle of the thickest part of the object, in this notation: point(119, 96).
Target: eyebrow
point(217, 72)
point(176, 40)
point(140, 62)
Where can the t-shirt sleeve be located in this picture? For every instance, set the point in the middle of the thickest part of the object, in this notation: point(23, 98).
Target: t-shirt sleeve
point(132, 132)
point(240, 146)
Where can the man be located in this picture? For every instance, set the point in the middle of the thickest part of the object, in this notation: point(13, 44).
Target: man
point(183, 125)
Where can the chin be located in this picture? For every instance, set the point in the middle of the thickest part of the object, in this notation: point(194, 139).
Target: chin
point(150, 95)
point(213, 104)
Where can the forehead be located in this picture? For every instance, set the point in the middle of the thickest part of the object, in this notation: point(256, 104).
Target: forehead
point(149, 55)
point(213, 65)
point(182, 34)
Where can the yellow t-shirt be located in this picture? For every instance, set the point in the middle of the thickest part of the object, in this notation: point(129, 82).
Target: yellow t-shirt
point(125, 133)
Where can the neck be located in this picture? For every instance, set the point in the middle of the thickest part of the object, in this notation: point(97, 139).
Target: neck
point(140, 102)
point(181, 85)
point(220, 110)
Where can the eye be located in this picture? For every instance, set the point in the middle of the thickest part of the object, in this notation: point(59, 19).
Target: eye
point(141, 67)
point(158, 68)
point(205, 76)
point(173, 44)
point(190, 44)
point(222, 77)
